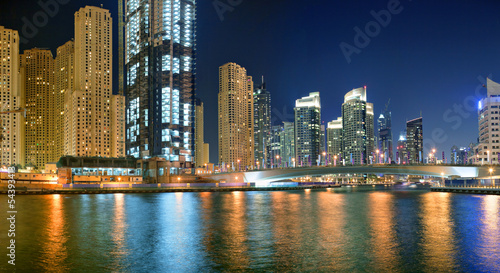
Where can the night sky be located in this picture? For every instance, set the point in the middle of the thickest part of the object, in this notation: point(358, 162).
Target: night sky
point(430, 57)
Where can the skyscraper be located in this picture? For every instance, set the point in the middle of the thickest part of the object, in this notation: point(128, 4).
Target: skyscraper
point(11, 98)
point(92, 113)
point(37, 67)
point(236, 136)
point(64, 73)
point(288, 144)
point(415, 141)
point(307, 129)
point(488, 148)
point(334, 138)
point(262, 123)
point(159, 58)
point(201, 154)
point(401, 149)
point(385, 135)
point(276, 145)
point(357, 128)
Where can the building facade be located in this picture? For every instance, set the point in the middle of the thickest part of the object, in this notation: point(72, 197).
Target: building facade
point(159, 78)
point(415, 141)
point(37, 67)
point(334, 139)
point(357, 128)
point(276, 146)
point(236, 113)
point(262, 123)
point(11, 99)
point(488, 149)
point(308, 130)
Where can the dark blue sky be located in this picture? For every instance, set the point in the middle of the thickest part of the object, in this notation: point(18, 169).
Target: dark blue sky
point(428, 58)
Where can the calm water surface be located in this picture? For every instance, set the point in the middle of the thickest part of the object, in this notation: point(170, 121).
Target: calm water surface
point(320, 230)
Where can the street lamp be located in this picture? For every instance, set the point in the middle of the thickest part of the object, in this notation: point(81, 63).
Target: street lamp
point(335, 162)
point(324, 156)
point(239, 166)
point(293, 161)
point(278, 160)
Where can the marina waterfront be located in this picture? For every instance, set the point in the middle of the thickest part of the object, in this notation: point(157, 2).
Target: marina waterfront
point(392, 229)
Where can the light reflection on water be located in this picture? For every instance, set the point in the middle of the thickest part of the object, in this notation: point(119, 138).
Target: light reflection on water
point(318, 230)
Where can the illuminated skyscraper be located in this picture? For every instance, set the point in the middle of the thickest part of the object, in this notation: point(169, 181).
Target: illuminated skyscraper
point(64, 73)
point(415, 141)
point(159, 78)
point(385, 135)
point(92, 113)
point(37, 66)
point(334, 138)
point(288, 144)
point(307, 130)
point(11, 98)
point(201, 148)
point(488, 113)
point(357, 128)
point(401, 149)
point(236, 114)
point(262, 123)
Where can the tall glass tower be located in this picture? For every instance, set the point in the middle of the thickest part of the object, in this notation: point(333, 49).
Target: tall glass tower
point(307, 129)
point(357, 128)
point(262, 123)
point(158, 79)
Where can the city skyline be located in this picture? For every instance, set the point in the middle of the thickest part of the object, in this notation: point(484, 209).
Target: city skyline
point(453, 82)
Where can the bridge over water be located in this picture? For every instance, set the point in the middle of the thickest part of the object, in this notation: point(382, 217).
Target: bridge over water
point(273, 175)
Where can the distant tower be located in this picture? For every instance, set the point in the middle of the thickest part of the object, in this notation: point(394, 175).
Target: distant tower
point(402, 156)
point(385, 135)
point(236, 136)
point(64, 74)
point(288, 143)
point(201, 148)
point(307, 130)
point(415, 141)
point(262, 123)
point(357, 126)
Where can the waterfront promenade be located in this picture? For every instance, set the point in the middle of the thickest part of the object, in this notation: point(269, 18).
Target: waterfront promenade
point(469, 189)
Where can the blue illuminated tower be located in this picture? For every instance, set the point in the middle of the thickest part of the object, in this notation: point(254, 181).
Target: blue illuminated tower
point(158, 78)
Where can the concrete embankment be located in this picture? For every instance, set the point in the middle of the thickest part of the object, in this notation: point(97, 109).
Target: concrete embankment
point(470, 190)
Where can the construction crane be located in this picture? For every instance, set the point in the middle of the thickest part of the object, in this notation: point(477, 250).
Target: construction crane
point(387, 105)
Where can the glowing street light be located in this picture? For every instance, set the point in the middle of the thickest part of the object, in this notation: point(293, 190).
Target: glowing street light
point(239, 165)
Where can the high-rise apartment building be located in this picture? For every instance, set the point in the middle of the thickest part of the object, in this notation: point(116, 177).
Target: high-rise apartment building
point(262, 123)
point(37, 66)
point(64, 75)
point(415, 141)
point(201, 155)
point(357, 128)
point(93, 115)
point(159, 57)
point(488, 148)
point(385, 136)
point(307, 130)
point(11, 98)
point(236, 136)
point(334, 138)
